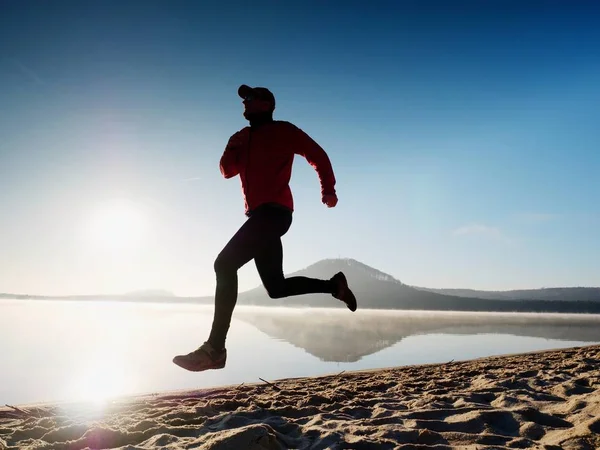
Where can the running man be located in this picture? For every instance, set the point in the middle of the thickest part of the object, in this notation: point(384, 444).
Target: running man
point(262, 155)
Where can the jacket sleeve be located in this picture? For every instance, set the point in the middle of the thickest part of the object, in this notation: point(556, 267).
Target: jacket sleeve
point(317, 158)
point(230, 161)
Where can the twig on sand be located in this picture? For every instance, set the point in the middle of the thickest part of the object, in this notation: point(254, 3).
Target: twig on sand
point(240, 385)
point(22, 411)
point(340, 373)
point(270, 384)
point(452, 360)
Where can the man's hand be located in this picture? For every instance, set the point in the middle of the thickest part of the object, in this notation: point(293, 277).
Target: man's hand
point(330, 200)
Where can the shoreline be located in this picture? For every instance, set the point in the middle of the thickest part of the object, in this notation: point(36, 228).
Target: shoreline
point(485, 306)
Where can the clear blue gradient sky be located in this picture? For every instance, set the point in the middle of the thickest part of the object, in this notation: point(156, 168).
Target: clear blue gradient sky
point(464, 137)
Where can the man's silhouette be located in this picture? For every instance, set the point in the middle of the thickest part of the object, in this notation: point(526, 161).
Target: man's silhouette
point(262, 155)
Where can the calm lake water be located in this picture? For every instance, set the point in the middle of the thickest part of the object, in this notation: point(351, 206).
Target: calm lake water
point(75, 351)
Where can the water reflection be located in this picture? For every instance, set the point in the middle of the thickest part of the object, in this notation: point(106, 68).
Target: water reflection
point(336, 336)
point(96, 350)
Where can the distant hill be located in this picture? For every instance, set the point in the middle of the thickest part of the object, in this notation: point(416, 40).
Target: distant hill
point(378, 290)
point(561, 293)
point(156, 296)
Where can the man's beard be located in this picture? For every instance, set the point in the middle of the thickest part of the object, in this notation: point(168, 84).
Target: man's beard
point(258, 117)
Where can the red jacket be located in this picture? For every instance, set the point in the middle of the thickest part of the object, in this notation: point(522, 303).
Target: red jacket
point(263, 158)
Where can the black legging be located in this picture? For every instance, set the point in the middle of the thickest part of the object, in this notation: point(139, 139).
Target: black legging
point(259, 238)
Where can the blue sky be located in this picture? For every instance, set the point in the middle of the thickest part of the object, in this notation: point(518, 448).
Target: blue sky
point(463, 136)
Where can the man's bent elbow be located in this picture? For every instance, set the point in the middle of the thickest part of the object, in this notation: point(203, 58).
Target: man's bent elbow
point(228, 172)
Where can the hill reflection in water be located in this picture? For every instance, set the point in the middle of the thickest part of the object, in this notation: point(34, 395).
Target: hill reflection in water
point(341, 336)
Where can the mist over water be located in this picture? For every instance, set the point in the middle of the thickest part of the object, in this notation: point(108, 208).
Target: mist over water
point(91, 351)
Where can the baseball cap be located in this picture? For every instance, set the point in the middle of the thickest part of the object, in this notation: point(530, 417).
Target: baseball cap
point(262, 93)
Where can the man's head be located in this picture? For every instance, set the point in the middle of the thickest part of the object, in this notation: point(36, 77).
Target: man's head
point(257, 101)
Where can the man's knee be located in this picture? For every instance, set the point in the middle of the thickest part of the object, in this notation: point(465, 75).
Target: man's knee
point(224, 265)
point(276, 289)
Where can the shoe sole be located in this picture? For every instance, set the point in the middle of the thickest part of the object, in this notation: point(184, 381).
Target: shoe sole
point(193, 368)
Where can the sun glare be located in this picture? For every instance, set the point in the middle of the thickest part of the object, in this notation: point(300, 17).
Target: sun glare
point(103, 372)
point(116, 225)
point(99, 383)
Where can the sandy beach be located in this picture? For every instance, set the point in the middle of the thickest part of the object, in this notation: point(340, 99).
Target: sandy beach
point(542, 400)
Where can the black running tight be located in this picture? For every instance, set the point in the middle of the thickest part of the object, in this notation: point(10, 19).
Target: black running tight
point(259, 238)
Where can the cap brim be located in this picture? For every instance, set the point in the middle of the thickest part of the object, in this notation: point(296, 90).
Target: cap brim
point(244, 91)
